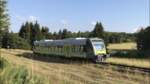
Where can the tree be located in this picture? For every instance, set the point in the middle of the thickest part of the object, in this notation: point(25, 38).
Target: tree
point(54, 36)
point(25, 31)
point(36, 33)
point(78, 34)
point(4, 19)
point(14, 41)
point(22, 31)
point(33, 31)
point(44, 32)
point(119, 37)
point(65, 34)
point(98, 31)
point(143, 39)
point(60, 34)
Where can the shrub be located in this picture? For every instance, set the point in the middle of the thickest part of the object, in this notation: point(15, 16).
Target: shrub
point(19, 75)
point(3, 63)
point(128, 54)
point(14, 41)
point(143, 41)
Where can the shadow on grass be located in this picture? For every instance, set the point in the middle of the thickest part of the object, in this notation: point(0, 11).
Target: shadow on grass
point(55, 58)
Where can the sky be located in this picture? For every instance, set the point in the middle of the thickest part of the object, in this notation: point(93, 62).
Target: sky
point(80, 15)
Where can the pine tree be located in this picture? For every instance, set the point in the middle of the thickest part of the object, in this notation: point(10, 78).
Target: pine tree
point(54, 35)
point(98, 31)
point(44, 32)
point(143, 40)
point(78, 34)
point(28, 31)
point(36, 33)
point(60, 34)
point(64, 34)
point(4, 19)
point(33, 31)
point(25, 31)
point(22, 31)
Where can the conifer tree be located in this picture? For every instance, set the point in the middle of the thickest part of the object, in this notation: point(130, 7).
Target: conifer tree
point(98, 31)
point(25, 31)
point(4, 19)
point(64, 34)
point(143, 39)
point(60, 34)
point(36, 32)
point(44, 32)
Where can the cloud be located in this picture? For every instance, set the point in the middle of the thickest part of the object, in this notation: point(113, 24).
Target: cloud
point(93, 23)
point(32, 18)
point(20, 18)
point(136, 29)
point(27, 18)
point(64, 22)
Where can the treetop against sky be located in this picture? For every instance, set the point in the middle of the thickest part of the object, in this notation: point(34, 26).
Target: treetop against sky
point(75, 15)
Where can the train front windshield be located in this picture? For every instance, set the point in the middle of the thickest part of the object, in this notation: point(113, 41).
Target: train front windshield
point(99, 45)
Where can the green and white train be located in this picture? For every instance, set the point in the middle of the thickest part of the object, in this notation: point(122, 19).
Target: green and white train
point(90, 48)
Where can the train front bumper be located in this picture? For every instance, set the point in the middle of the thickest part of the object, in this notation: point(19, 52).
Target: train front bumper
point(101, 58)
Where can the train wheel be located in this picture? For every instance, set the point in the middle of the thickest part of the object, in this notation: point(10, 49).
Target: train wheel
point(100, 59)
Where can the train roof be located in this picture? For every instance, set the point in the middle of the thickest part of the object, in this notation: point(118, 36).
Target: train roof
point(69, 41)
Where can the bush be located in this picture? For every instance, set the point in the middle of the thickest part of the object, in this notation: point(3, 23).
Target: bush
point(11, 40)
point(143, 40)
point(128, 54)
point(12, 74)
point(3, 63)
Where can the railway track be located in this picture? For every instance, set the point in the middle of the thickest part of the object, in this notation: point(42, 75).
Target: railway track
point(126, 68)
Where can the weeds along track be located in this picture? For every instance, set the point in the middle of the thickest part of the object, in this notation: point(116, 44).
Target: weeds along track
point(117, 67)
point(126, 68)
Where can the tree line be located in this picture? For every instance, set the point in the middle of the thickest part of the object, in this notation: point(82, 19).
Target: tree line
point(33, 31)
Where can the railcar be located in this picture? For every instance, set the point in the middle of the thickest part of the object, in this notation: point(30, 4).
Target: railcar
point(89, 48)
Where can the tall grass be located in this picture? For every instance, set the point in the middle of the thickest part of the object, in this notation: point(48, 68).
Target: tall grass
point(3, 63)
point(122, 46)
point(12, 74)
point(144, 63)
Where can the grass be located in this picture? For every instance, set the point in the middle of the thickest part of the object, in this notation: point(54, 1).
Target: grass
point(14, 74)
point(3, 63)
point(72, 73)
point(131, 56)
point(122, 46)
point(145, 63)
